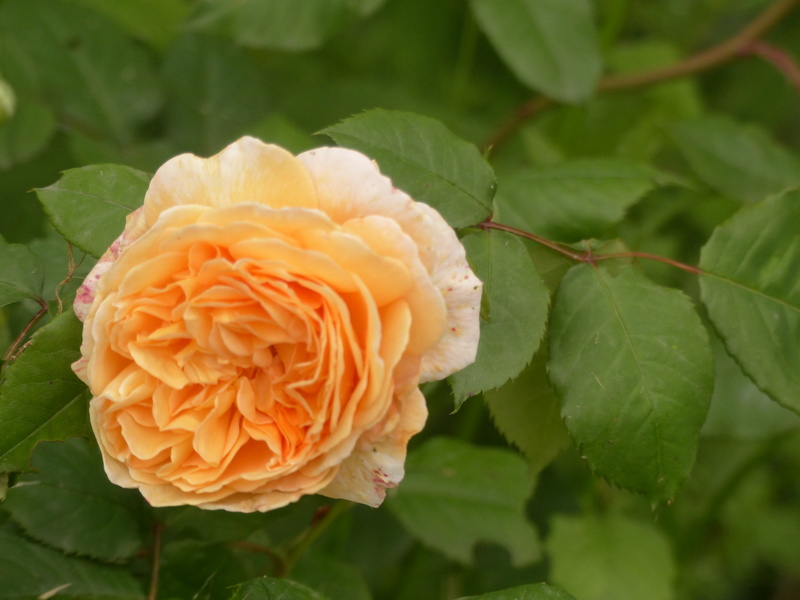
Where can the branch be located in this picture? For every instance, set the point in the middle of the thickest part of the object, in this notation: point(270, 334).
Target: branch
point(156, 563)
point(714, 57)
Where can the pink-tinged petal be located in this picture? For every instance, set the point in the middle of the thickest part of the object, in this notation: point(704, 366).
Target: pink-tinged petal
point(377, 463)
point(246, 171)
point(350, 186)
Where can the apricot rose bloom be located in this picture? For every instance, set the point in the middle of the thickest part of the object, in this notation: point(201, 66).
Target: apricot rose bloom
point(259, 330)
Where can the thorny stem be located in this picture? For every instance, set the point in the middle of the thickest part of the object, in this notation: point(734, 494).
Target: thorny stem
point(154, 571)
point(587, 256)
point(711, 58)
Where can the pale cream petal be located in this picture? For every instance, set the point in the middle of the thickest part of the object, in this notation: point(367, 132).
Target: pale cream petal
point(246, 171)
point(350, 186)
point(378, 464)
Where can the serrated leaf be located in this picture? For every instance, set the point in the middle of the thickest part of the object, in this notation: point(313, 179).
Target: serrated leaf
point(610, 557)
point(41, 399)
point(21, 273)
point(527, 412)
point(214, 90)
point(550, 45)
point(285, 24)
point(69, 504)
point(535, 591)
point(269, 588)
point(455, 495)
point(86, 65)
point(574, 200)
point(31, 571)
point(750, 290)
point(741, 161)
point(88, 205)
point(424, 159)
point(631, 363)
point(513, 316)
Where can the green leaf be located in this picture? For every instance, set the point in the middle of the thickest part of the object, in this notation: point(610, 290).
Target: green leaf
point(31, 571)
point(631, 363)
point(215, 92)
point(26, 133)
point(527, 412)
point(335, 579)
point(535, 591)
point(574, 200)
point(21, 273)
point(550, 45)
point(750, 290)
point(455, 495)
point(97, 77)
point(424, 159)
point(285, 24)
point(41, 399)
point(69, 504)
point(269, 588)
point(741, 161)
point(514, 312)
point(154, 21)
point(610, 557)
point(739, 410)
point(88, 205)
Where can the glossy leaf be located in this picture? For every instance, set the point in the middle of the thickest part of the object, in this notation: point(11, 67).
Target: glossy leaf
point(269, 588)
point(69, 504)
point(631, 363)
point(513, 316)
point(21, 273)
point(214, 93)
point(88, 205)
point(455, 495)
point(550, 45)
point(424, 159)
point(41, 399)
point(80, 56)
point(741, 161)
point(574, 200)
point(610, 557)
point(535, 591)
point(527, 412)
point(32, 571)
point(751, 292)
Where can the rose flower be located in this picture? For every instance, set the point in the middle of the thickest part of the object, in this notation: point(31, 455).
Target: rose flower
point(259, 330)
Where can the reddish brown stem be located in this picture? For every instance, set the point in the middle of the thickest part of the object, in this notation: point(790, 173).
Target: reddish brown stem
point(152, 594)
point(778, 58)
point(702, 61)
point(588, 256)
point(12, 350)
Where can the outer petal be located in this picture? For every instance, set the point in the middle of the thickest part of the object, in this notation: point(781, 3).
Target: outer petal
point(350, 186)
point(246, 171)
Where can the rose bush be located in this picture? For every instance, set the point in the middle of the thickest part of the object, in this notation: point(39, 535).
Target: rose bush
point(259, 330)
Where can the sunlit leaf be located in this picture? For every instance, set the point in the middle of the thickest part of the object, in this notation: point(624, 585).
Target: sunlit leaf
point(741, 161)
point(752, 295)
point(574, 200)
point(527, 412)
point(41, 399)
point(424, 159)
point(631, 363)
point(88, 205)
point(610, 558)
point(69, 504)
point(455, 495)
point(513, 316)
point(551, 45)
